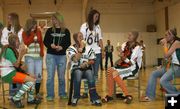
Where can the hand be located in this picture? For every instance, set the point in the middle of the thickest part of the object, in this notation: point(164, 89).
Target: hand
point(24, 67)
point(84, 65)
point(53, 46)
point(22, 50)
point(82, 43)
point(58, 48)
point(163, 42)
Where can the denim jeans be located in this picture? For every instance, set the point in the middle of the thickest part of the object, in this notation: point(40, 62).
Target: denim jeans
point(53, 62)
point(165, 81)
point(34, 66)
point(78, 75)
point(96, 65)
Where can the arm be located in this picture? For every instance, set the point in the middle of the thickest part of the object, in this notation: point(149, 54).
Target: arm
point(27, 39)
point(168, 53)
point(47, 39)
point(40, 40)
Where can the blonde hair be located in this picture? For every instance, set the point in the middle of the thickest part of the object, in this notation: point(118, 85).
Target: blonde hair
point(60, 18)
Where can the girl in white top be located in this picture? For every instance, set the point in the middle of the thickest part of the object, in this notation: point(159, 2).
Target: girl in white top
point(92, 35)
point(13, 27)
point(128, 65)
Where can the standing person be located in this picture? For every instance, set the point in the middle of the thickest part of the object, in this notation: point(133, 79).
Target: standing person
point(32, 38)
point(92, 35)
point(171, 43)
point(143, 47)
point(127, 66)
point(12, 27)
point(57, 40)
point(109, 53)
point(12, 54)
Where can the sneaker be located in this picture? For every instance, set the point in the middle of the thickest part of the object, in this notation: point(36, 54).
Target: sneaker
point(49, 98)
point(35, 101)
point(39, 96)
point(18, 103)
point(96, 103)
point(74, 101)
point(84, 95)
point(64, 97)
point(107, 99)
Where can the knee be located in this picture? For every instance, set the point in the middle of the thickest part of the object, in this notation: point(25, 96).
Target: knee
point(163, 82)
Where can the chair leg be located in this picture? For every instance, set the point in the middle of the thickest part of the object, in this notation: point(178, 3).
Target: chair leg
point(139, 88)
point(3, 92)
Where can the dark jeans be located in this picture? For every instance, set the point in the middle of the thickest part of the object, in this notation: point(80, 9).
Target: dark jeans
point(109, 55)
point(78, 75)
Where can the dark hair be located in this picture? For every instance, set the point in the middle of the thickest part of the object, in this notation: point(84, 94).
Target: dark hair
point(15, 22)
point(90, 19)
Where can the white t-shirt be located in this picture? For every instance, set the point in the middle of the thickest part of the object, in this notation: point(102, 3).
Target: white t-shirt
point(92, 37)
point(5, 35)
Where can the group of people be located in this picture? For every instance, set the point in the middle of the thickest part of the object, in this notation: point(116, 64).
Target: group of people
point(84, 56)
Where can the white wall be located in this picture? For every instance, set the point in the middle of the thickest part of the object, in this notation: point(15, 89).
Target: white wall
point(148, 38)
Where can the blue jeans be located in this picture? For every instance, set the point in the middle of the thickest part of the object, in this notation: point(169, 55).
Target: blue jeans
point(165, 81)
point(78, 75)
point(34, 66)
point(96, 65)
point(53, 62)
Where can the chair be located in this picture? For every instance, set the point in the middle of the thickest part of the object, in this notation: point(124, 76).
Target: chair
point(3, 90)
point(137, 78)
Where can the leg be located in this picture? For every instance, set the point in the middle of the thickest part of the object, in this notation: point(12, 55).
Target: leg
point(38, 73)
point(27, 84)
point(61, 62)
point(50, 64)
point(96, 66)
point(151, 87)
point(92, 89)
point(111, 59)
point(166, 80)
point(77, 83)
point(77, 86)
point(106, 61)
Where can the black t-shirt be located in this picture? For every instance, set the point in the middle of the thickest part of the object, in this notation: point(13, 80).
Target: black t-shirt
point(58, 38)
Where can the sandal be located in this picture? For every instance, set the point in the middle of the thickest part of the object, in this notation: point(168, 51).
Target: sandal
point(128, 99)
point(107, 99)
point(145, 99)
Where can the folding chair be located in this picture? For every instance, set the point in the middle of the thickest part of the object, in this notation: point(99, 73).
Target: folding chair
point(137, 78)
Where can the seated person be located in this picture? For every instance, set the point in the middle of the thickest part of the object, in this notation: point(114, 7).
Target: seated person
point(127, 66)
point(12, 71)
point(166, 74)
point(81, 58)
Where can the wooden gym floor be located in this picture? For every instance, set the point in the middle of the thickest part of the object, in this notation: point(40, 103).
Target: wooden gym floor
point(101, 88)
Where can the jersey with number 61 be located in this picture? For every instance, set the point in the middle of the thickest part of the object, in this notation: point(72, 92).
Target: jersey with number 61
point(92, 37)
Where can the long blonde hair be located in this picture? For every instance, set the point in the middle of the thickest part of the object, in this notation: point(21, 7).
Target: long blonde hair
point(60, 18)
